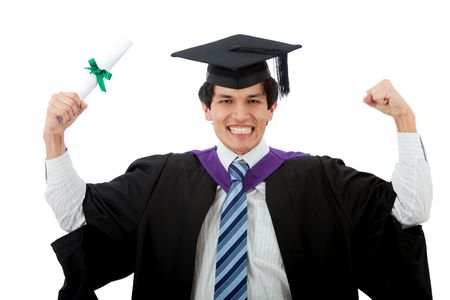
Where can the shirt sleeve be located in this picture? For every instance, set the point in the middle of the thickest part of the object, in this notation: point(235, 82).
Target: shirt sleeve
point(411, 181)
point(65, 192)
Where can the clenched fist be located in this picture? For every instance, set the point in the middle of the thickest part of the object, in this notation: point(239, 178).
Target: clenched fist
point(386, 99)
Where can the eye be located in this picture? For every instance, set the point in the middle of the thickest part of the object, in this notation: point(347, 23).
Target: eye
point(254, 101)
point(225, 101)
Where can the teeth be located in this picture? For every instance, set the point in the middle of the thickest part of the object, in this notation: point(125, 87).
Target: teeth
point(241, 130)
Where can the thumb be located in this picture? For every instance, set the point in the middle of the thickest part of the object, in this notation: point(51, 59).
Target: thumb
point(369, 101)
point(83, 105)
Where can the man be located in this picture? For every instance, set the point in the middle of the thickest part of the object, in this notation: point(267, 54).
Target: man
point(242, 220)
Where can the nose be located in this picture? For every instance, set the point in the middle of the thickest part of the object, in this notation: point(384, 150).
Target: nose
point(240, 112)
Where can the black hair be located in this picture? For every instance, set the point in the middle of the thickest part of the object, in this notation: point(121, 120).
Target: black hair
point(270, 85)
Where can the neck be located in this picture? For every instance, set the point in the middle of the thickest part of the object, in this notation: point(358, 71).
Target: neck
point(226, 156)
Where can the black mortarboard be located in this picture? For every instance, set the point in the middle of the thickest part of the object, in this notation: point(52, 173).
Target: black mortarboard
point(239, 61)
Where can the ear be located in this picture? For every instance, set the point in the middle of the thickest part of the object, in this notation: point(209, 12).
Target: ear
point(207, 112)
point(271, 111)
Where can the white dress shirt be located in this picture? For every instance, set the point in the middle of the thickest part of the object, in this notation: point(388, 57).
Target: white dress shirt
point(266, 276)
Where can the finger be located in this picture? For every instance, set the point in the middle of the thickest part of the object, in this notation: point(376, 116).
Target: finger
point(70, 117)
point(375, 88)
point(63, 106)
point(84, 105)
point(60, 114)
point(379, 93)
point(59, 108)
point(367, 99)
point(71, 99)
point(376, 93)
point(68, 101)
point(74, 104)
point(369, 102)
point(72, 95)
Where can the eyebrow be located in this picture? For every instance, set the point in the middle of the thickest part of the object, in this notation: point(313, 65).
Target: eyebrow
point(248, 96)
point(255, 95)
point(224, 96)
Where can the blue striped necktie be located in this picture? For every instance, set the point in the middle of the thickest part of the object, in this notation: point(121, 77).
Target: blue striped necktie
point(231, 256)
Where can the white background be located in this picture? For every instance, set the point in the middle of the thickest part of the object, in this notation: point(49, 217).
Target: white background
point(151, 105)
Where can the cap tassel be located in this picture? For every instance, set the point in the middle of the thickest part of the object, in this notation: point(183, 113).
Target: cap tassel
point(282, 74)
point(281, 64)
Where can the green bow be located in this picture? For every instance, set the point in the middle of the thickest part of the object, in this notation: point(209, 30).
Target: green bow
point(99, 73)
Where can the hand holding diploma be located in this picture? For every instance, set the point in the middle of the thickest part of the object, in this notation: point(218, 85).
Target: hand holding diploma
point(65, 107)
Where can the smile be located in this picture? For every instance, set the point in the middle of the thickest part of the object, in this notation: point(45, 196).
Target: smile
point(241, 129)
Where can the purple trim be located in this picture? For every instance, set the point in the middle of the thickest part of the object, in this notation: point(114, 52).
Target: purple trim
point(263, 168)
point(266, 166)
point(210, 161)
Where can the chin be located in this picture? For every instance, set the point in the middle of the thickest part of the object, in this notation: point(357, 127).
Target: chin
point(241, 150)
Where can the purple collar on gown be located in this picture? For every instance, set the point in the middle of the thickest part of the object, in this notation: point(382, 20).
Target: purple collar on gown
point(260, 171)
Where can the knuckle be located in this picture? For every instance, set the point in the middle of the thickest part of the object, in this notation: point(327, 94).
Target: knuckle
point(53, 98)
point(73, 96)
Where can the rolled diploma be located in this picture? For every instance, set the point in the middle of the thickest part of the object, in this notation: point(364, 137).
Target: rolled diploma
point(106, 63)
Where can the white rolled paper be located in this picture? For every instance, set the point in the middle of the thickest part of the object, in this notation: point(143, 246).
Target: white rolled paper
point(106, 63)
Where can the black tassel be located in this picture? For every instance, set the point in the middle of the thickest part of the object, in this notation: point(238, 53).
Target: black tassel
point(282, 74)
point(281, 64)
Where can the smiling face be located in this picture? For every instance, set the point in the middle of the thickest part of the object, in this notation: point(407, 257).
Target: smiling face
point(239, 116)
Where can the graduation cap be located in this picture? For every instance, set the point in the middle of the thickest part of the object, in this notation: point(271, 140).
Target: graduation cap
point(239, 61)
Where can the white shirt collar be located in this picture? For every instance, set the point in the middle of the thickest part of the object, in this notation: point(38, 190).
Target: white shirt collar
point(226, 156)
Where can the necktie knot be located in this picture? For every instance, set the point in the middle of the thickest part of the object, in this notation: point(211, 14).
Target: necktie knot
point(238, 169)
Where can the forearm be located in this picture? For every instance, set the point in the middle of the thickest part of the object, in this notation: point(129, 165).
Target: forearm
point(406, 122)
point(65, 192)
point(412, 182)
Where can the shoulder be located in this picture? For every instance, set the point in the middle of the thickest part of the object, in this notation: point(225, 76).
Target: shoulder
point(330, 168)
point(326, 170)
point(313, 163)
point(164, 161)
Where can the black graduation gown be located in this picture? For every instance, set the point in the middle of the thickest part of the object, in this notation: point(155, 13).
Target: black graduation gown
point(333, 226)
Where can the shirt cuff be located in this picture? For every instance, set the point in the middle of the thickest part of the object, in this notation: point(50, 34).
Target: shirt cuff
point(410, 146)
point(58, 169)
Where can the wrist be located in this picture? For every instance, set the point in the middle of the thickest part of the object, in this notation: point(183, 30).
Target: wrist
point(406, 122)
point(54, 144)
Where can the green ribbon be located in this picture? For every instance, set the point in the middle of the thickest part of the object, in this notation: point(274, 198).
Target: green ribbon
point(99, 73)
